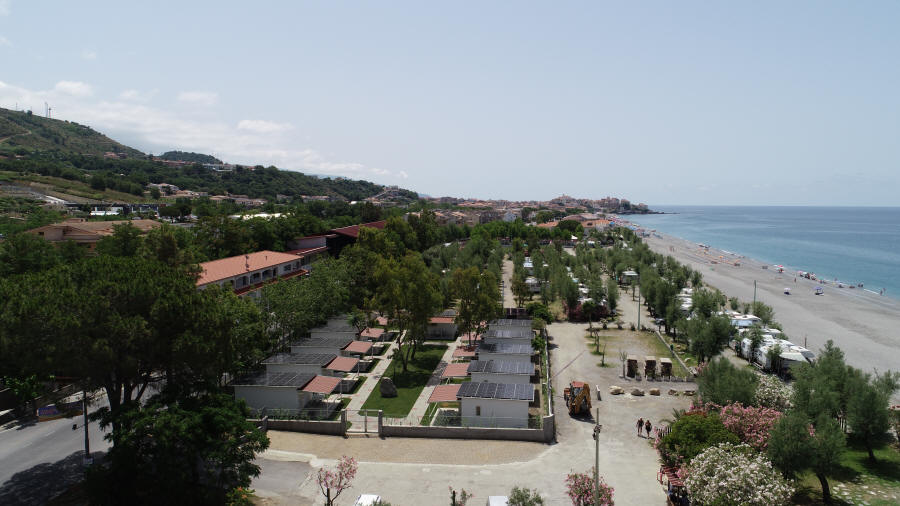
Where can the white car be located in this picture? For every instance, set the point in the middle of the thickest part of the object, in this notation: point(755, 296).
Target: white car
point(367, 500)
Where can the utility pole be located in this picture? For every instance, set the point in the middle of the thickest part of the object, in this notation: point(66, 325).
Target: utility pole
point(597, 429)
point(88, 460)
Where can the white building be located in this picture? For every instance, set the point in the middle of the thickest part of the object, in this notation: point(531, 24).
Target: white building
point(500, 371)
point(282, 390)
point(495, 404)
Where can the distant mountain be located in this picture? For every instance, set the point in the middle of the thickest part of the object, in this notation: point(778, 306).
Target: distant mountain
point(186, 156)
point(24, 132)
point(75, 160)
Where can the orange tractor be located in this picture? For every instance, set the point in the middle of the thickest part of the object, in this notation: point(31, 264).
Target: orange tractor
point(578, 398)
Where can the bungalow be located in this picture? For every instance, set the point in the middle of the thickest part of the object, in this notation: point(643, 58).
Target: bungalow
point(510, 335)
point(506, 352)
point(500, 371)
point(247, 273)
point(283, 390)
point(495, 404)
point(88, 233)
point(322, 344)
point(442, 327)
point(301, 363)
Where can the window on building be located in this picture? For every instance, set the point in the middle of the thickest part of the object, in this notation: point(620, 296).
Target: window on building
point(287, 268)
point(477, 410)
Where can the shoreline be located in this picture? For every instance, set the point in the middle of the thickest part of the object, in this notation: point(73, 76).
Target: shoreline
point(859, 321)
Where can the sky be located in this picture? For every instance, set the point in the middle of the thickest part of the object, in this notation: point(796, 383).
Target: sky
point(712, 103)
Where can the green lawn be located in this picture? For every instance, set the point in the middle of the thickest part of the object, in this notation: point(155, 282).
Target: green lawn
point(858, 480)
point(409, 384)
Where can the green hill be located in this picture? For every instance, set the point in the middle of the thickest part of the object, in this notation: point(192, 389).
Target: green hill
point(186, 156)
point(23, 132)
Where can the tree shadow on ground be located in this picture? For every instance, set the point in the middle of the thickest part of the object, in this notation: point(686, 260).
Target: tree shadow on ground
point(43, 482)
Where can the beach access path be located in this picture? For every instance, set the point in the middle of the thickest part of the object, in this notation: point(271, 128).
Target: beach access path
point(863, 324)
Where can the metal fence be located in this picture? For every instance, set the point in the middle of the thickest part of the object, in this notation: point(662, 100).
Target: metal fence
point(314, 414)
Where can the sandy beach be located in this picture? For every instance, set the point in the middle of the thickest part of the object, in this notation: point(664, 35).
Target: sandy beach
point(863, 324)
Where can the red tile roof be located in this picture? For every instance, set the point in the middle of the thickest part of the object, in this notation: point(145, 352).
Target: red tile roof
point(353, 230)
point(463, 352)
point(459, 370)
point(444, 393)
point(225, 268)
point(441, 319)
point(359, 347)
point(343, 364)
point(322, 384)
point(372, 333)
point(381, 320)
point(307, 251)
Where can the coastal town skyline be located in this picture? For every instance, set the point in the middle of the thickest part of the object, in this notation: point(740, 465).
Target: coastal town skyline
point(663, 104)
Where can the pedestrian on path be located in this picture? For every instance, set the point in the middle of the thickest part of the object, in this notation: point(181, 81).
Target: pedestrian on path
point(648, 426)
point(640, 425)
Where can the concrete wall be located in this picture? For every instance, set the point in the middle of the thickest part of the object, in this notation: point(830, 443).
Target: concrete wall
point(500, 378)
point(543, 435)
point(335, 428)
point(513, 413)
point(258, 397)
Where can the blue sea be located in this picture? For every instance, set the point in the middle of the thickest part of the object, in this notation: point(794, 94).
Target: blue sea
point(852, 244)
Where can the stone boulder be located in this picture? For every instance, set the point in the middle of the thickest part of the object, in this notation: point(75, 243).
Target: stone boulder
point(637, 392)
point(672, 391)
point(689, 393)
point(654, 391)
point(387, 388)
point(614, 390)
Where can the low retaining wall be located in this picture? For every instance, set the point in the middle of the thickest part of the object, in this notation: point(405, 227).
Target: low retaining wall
point(542, 435)
point(335, 428)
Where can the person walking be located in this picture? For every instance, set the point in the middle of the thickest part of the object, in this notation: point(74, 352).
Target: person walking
point(647, 427)
point(640, 425)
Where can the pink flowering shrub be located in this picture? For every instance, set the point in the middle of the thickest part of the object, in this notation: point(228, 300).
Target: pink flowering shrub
point(729, 474)
point(752, 425)
point(334, 481)
point(580, 489)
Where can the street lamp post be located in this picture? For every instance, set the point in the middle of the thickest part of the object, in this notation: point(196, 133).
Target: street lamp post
point(88, 460)
point(597, 429)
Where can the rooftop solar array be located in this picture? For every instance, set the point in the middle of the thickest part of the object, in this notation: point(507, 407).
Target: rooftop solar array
point(509, 333)
point(509, 349)
point(506, 322)
point(275, 379)
point(301, 358)
point(501, 367)
point(332, 341)
point(519, 392)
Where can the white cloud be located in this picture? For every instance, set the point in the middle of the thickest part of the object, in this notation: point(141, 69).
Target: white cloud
point(137, 95)
point(263, 126)
point(5, 7)
point(74, 88)
point(204, 98)
point(4, 42)
point(129, 119)
point(89, 55)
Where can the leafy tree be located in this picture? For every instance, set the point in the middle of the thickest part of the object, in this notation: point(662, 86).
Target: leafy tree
point(461, 499)
point(612, 294)
point(755, 336)
point(185, 449)
point(334, 481)
point(520, 290)
point(722, 383)
point(25, 252)
point(765, 312)
point(868, 408)
point(788, 445)
point(691, 435)
point(539, 311)
point(154, 193)
point(478, 299)
point(708, 336)
point(124, 242)
point(520, 496)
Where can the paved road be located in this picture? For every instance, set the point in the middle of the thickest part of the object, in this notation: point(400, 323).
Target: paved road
point(39, 460)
